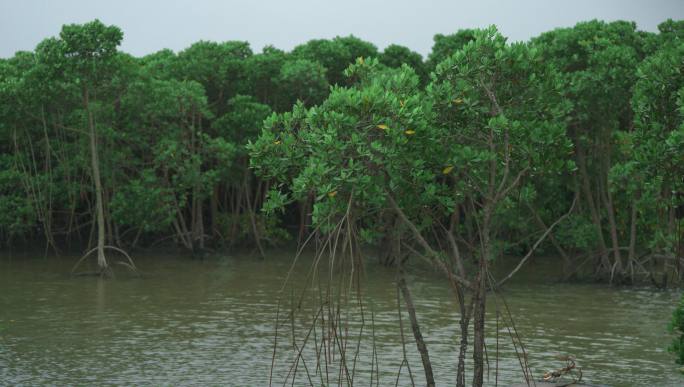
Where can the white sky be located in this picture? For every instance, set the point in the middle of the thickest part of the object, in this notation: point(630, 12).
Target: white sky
point(150, 25)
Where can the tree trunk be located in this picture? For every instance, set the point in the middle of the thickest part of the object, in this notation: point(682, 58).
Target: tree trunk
point(111, 236)
point(417, 335)
point(48, 170)
point(303, 209)
point(480, 290)
point(200, 222)
point(610, 209)
point(252, 218)
point(237, 209)
point(464, 322)
point(631, 255)
point(479, 302)
point(95, 165)
point(213, 205)
point(586, 188)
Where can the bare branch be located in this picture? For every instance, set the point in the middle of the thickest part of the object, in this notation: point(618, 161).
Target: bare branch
point(536, 244)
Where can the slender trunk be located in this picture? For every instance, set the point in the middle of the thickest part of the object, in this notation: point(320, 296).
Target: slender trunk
point(71, 223)
point(454, 221)
point(238, 195)
point(610, 209)
point(93, 225)
point(200, 222)
point(213, 205)
point(99, 209)
point(480, 298)
point(108, 218)
point(252, 219)
point(464, 322)
point(671, 213)
point(193, 218)
point(48, 169)
point(632, 239)
point(586, 188)
point(303, 209)
point(415, 327)
point(468, 221)
point(195, 188)
point(137, 237)
point(182, 235)
point(479, 286)
point(117, 235)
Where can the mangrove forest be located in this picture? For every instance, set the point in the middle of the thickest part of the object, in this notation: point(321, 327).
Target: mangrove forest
point(361, 184)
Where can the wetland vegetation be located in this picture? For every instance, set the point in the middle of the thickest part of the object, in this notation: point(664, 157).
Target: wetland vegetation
point(452, 172)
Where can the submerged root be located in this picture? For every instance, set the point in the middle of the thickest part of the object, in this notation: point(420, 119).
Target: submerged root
point(570, 369)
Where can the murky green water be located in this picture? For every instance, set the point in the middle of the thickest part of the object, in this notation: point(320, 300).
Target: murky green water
point(211, 323)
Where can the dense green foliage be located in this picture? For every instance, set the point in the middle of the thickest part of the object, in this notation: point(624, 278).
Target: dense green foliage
point(482, 133)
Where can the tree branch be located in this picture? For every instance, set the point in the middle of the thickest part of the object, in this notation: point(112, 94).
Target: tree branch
point(536, 244)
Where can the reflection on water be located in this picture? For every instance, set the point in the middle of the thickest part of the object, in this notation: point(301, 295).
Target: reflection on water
point(211, 323)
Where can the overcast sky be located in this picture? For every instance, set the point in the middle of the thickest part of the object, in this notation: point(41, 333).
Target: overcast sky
point(150, 25)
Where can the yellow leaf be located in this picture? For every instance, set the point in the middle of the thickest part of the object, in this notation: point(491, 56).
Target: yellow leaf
point(458, 101)
point(382, 127)
point(361, 59)
point(332, 194)
point(410, 132)
point(447, 170)
point(402, 103)
point(277, 142)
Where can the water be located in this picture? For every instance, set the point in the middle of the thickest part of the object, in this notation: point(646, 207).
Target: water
point(212, 323)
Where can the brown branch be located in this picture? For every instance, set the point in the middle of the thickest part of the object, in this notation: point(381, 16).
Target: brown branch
point(536, 244)
point(431, 253)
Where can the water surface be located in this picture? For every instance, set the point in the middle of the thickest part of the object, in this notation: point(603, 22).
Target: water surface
point(211, 322)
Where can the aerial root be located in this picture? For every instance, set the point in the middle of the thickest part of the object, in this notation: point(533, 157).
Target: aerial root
point(106, 271)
